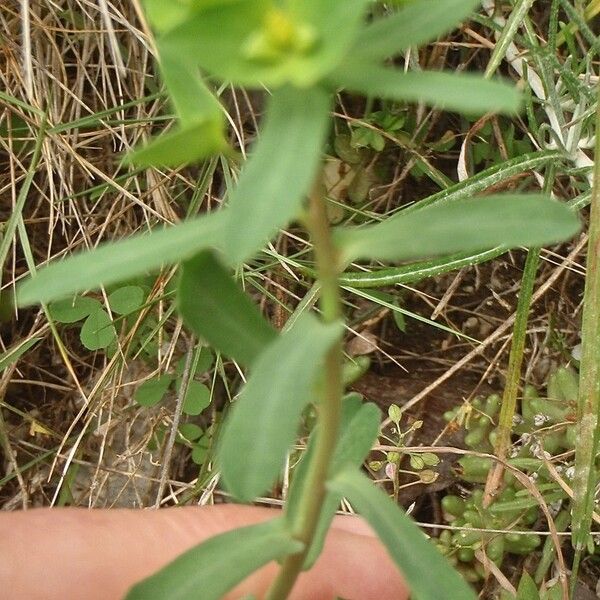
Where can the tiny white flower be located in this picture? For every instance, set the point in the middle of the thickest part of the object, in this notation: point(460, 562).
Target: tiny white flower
point(570, 472)
point(517, 419)
point(539, 420)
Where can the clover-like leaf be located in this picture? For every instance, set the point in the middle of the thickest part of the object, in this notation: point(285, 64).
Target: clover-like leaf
point(98, 331)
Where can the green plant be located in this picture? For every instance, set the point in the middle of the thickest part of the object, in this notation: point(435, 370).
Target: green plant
point(304, 52)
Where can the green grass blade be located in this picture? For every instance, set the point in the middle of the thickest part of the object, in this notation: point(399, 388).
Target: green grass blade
point(264, 420)
point(490, 178)
point(428, 574)
point(588, 410)
point(507, 36)
point(416, 272)
point(416, 24)
point(10, 227)
point(13, 354)
point(216, 309)
point(114, 262)
point(460, 92)
point(211, 569)
point(466, 225)
point(280, 171)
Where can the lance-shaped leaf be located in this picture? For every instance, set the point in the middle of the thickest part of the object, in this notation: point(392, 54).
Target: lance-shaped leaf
point(117, 261)
point(460, 92)
point(360, 426)
point(215, 308)
point(416, 24)
point(264, 420)
point(184, 145)
point(462, 226)
point(193, 101)
point(211, 569)
point(279, 172)
point(166, 15)
point(428, 573)
point(200, 132)
point(352, 421)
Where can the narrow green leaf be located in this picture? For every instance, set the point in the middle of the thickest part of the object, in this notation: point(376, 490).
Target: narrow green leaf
point(215, 308)
point(515, 21)
point(185, 145)
point(73, 309)
point(491, 177)
point(460, 92)
point(463, 226)
point(166, 15)
point(13, 354)
point(151, 392)
point(416, 24)
point(97, 332)
point(351, 406)
point(118, 261)
point(211, 569)
point(280, 171)
point(264, 420)
point(416, 272)
point(126, 299)
point(357, 439)
point(192, 99)
point(414, 555)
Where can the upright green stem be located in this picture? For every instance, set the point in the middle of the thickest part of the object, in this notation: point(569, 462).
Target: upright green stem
point(513, 375)
point(584, 481)
point(329, 409)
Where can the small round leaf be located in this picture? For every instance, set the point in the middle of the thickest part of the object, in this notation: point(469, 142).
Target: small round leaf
point(151, 392)
point(126, 299)
point(196, 399)
point(97, 331)
point(72, 310)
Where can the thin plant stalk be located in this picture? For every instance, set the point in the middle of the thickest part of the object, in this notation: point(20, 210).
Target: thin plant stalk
point(513, 375)
point(329, 409)
point(584, 481)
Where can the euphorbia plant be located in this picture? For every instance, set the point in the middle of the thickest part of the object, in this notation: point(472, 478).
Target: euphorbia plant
point(303, 52)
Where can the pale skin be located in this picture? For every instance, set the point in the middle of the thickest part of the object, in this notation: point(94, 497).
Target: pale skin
point(73, 553)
